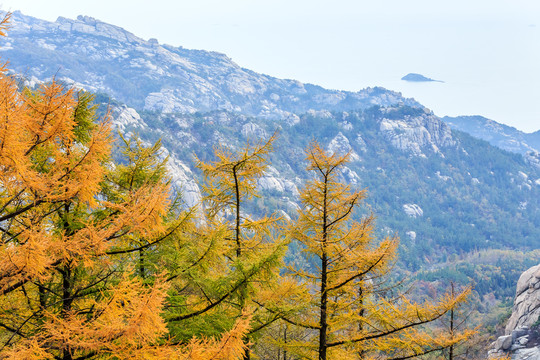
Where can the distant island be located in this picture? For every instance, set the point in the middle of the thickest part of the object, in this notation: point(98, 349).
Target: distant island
point(417, 78)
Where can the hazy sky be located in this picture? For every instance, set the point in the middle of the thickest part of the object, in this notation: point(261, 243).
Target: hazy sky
point(486, 51)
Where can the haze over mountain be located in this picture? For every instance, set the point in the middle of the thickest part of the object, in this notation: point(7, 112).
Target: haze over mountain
point(446, 193)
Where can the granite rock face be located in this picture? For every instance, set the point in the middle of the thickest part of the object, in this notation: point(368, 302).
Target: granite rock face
point(417, 134)
point(413, 210)
point(340, 145)
point(526, 309)
point(533, 158)
point(522, 335)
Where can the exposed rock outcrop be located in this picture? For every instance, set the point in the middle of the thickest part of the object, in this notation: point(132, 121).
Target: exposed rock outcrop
point(522, 333)
point(526, 309)
point(413, 210)
point(417, 134)
point(340, 145)
point(533, 158)
point(125, 117)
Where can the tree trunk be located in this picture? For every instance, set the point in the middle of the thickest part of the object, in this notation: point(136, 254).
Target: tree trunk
point(324, 279)
point(67, 300)
point(141, 264)
point(451, 349)
point(285, 340)
point(237, 236)
point(67, 284)
point(361, 312)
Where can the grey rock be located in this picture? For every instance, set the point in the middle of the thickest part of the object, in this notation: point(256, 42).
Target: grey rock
point(533, 158)
point(526, 310)
point(525, 313)
point(527, 354)
point(494, 354)
point(254, 132)
point(417, 134)
point(523, 340)
point(413, 210)
point(503, 342)
point(361, 143)
point(411, 235)
point(126, 118)
point(518, 333)
point(340, 145)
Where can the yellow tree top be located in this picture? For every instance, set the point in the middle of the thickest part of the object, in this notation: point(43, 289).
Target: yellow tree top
point(233, 176)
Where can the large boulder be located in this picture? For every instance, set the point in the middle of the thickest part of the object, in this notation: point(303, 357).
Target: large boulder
point(527, 354)
point(504, 342)
point(522, 338)
point(526, 310)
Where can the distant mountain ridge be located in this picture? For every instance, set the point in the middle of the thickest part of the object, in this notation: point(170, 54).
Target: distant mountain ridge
point(147, 75)
point(500, 135)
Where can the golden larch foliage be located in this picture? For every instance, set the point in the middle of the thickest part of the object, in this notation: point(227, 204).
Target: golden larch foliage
point(69, 221)
point(347, 315)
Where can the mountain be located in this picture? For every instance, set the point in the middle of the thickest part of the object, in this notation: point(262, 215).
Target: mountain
point(147, 75)
point(500, 135)
point(444, 192)
point(447, 194)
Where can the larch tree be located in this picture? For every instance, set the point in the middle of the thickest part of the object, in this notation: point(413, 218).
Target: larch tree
point(246, 251)
point(71, 221)
point(346, 315)
point(456, 321)
point(56, 275)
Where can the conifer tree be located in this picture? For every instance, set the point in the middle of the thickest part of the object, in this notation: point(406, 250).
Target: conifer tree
point(70, 221)
point(345, 314)
point(56, 275)
point(246, 251)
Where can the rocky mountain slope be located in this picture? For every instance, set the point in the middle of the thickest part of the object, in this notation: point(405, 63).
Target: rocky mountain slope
point(500, 135)
point(522, 333)
point(446, 193)
point(151, 76)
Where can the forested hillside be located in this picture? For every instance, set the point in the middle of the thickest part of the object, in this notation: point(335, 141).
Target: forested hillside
point(442, 191)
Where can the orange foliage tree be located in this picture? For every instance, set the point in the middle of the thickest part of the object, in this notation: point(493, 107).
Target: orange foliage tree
point(71, 221)
point(346, 313)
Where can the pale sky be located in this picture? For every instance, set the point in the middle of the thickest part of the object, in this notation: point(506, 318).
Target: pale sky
point(486, 51)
